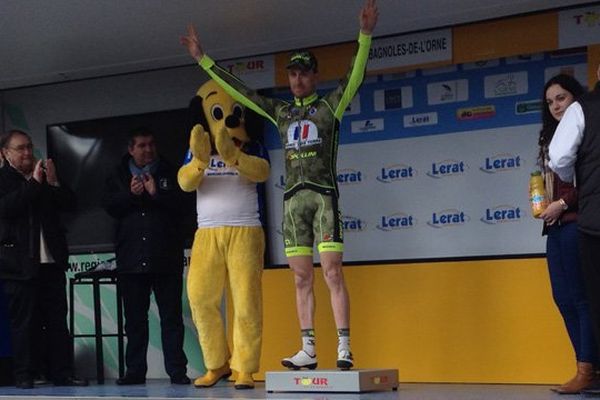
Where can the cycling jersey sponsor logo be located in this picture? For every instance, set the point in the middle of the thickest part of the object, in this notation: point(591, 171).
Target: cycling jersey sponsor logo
point(367, 125)
point(353, 224)
point(501, 162)
point(510, 84)
point(302, 155)
point(396, 172)
point(501, 214)
point(414, 120)
point(302, 134)
point(349, 177)
point(448, 218)
point(473, 113)
point(445, 168)
point(396, 221)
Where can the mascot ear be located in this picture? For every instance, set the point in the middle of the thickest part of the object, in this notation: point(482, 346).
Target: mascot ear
point(255, 126)
point(196, 114)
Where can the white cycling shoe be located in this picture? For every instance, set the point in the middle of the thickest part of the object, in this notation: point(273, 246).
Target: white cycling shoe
point(300, 360)
point(345, 360)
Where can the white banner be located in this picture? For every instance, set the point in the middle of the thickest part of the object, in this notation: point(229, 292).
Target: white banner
point(418, 48)
point(579, 27)
point(256, 72)
point(452, 195)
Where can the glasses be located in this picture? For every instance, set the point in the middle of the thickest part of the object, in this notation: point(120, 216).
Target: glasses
point(22, 148)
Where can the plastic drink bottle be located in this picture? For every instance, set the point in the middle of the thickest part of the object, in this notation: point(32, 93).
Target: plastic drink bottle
point(537, 194)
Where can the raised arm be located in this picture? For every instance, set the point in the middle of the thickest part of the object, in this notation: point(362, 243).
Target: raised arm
point(368, 17)
point(192, 43)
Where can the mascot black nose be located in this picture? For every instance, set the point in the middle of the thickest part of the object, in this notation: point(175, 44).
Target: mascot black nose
point(232, 121)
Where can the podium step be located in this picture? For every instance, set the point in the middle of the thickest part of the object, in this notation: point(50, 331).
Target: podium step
point(354, 381)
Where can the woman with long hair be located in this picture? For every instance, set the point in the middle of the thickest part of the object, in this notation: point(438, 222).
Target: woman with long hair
point(562, 252)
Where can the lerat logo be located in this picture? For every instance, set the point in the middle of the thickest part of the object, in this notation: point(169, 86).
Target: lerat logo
point(353, 224)
point(501, 162)
point(447, 218)
point(396, 172)
point(216, 164)
point(217, 167)
point(447, 168)
point(349, 177)
point(396, 221)
point(501, 214)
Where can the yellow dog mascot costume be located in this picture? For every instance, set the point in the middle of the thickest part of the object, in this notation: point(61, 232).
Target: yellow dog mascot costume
point(224, 166)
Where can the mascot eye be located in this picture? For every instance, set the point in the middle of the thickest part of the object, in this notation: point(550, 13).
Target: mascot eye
point(217, 112)
point(238, 110)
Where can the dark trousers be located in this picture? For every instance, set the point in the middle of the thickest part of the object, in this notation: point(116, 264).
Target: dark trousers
point(167, 288)
point(38, 314)
point(568, 289)
point(589, 247)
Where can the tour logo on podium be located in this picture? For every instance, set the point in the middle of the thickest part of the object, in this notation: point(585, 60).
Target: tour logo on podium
point(312, 382)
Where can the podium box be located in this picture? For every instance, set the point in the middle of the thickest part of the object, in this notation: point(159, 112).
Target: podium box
point(353, 381)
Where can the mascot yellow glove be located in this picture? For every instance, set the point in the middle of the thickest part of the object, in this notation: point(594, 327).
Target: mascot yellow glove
point(191, 174)
point(254, 168)
point(226, 148)
point(200, 145)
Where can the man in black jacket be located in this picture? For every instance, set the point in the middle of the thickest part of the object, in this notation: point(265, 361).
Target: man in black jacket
point(143, 195)
point(575, 156)
point(33, 260)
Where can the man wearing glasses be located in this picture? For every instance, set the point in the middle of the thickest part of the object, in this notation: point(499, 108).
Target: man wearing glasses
point(309, 130)
point(33, 260)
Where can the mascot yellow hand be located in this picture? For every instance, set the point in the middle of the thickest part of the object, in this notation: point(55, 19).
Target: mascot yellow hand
point(200, 144)
point(191, 174)
point(254, 168)
point(226, 148)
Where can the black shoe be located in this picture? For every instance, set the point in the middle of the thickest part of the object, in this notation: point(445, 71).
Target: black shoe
point(24, 384)
point(180, 380)
point(131, 380)
point(71, 381)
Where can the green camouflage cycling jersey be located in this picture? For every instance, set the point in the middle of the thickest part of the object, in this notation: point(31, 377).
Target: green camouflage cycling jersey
point(308, 127)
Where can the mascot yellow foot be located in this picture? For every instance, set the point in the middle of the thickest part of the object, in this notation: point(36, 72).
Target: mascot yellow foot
point(213, 376)
point(244, 381)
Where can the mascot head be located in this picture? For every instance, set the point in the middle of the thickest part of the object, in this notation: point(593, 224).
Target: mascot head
point(213, 108)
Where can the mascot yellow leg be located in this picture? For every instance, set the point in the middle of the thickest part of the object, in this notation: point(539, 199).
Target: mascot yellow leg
point(205, 282)
point(245, 264)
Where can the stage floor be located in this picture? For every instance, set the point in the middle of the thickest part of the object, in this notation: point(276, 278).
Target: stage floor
point(162, 389)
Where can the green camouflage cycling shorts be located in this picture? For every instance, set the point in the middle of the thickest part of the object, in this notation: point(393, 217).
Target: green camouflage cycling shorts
point(311, 217)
